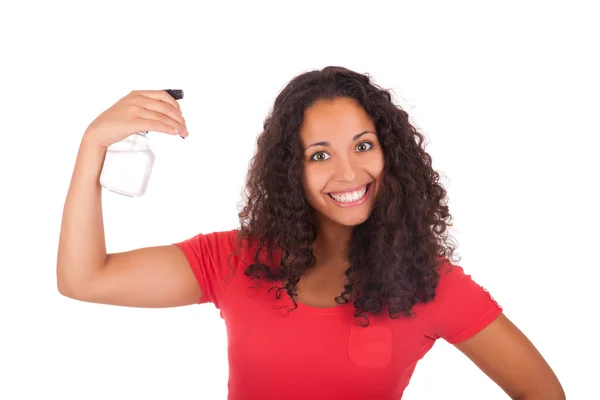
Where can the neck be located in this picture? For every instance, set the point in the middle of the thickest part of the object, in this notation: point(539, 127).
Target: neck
point(331, 246)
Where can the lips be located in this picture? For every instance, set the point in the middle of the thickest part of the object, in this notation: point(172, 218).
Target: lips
point(346, 199)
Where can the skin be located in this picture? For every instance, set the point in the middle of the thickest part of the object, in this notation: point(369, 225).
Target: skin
point(341, 152)
point(500, 350)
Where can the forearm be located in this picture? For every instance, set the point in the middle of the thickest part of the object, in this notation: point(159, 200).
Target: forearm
point(82, 248)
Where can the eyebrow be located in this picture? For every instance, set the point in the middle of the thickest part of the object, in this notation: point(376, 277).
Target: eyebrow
point(329, 144)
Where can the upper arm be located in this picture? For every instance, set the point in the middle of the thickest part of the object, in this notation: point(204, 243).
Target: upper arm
point(507, 356)
point(148, 277)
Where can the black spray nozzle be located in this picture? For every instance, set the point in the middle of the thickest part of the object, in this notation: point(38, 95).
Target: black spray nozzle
point(177, 94)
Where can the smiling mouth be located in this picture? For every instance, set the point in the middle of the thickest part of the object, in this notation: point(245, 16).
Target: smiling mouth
point(352, 197)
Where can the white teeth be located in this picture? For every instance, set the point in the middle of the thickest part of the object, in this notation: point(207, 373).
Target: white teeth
point(349, 197)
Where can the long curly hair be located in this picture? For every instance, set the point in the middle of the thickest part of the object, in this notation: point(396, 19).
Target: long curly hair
point(394, 255)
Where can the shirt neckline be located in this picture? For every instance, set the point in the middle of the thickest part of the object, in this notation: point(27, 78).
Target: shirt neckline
point(312, 309)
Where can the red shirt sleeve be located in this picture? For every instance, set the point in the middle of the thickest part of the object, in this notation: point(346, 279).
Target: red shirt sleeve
point(461, 307)
point(208, 256)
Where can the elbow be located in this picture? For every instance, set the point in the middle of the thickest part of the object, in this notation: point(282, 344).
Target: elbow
point(67, 286)
point(65, 289)
point(556, 393)
point(74, 292)
point(62, 283)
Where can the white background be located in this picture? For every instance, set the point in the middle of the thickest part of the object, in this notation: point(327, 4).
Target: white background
point(507, 95)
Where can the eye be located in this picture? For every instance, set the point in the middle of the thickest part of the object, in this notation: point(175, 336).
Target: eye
point(364, 146)
point(319, 156)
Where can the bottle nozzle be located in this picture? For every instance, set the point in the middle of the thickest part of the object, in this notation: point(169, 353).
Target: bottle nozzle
point(177, 94)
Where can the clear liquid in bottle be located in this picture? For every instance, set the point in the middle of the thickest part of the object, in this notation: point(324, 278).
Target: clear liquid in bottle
point(128, 163)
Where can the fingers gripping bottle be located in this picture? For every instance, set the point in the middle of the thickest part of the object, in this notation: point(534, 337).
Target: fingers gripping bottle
point(128, 163)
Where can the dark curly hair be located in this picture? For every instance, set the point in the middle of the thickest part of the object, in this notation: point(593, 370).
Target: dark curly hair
point(394, 255)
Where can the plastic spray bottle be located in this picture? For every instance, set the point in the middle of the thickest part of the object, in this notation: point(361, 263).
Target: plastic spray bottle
point(128, 163)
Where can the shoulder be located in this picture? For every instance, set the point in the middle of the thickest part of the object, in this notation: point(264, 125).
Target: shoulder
point(457, 285)
point(213, 242)
point(453, 277)
point(229, 244)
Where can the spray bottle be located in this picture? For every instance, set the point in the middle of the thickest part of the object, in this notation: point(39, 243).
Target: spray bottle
point(128, 163)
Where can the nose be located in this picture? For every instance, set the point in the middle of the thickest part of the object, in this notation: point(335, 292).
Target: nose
point(345, 171)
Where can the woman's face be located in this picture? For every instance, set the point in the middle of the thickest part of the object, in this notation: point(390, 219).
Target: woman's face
point(343, 161)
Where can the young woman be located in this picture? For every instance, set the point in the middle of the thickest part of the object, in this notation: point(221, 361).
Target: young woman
point(339, 278)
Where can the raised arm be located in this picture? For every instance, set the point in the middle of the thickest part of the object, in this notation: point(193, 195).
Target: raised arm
point(147, 277)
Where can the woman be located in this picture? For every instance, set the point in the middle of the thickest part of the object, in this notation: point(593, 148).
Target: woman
point(338, 280)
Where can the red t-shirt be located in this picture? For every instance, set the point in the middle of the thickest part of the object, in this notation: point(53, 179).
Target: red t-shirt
point(321, 353)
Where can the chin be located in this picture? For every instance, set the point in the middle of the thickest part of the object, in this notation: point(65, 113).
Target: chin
point(350, 222)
